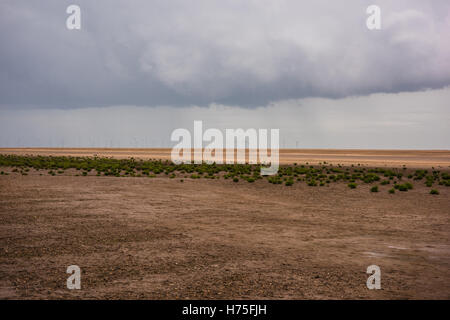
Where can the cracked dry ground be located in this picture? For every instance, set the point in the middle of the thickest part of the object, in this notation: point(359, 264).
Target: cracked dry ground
point(163, 239)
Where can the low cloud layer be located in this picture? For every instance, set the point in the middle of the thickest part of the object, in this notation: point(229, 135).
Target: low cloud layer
point(416, 120)
point(242, 53)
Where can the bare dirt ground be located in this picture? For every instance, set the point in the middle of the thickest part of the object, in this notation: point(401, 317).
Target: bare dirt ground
point(161, 238)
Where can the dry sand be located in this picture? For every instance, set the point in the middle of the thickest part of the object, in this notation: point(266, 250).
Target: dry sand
point(161, 238)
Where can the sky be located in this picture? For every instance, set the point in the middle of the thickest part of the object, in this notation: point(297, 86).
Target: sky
point(137, 70)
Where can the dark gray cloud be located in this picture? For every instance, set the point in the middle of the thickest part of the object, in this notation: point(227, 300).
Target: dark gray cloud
point(244, 53)
point(409, 120)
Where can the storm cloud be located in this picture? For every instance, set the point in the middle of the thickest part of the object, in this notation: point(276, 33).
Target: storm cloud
point(242, 53)
point(385, 121)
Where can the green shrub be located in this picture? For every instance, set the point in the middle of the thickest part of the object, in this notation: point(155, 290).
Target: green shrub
point(352, 185)
point(274, 180)
point(404, 187)
point(392, 190)
point(235, 179)
point(312, 183)
point(434, 191)
point(374, 189)
point(370, 177)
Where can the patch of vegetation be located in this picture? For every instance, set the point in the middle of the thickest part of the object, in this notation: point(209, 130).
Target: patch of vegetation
point(352, 185)
point(323, 174)
point(274, 180)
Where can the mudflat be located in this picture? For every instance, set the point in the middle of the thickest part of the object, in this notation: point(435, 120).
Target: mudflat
point(161, 238)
